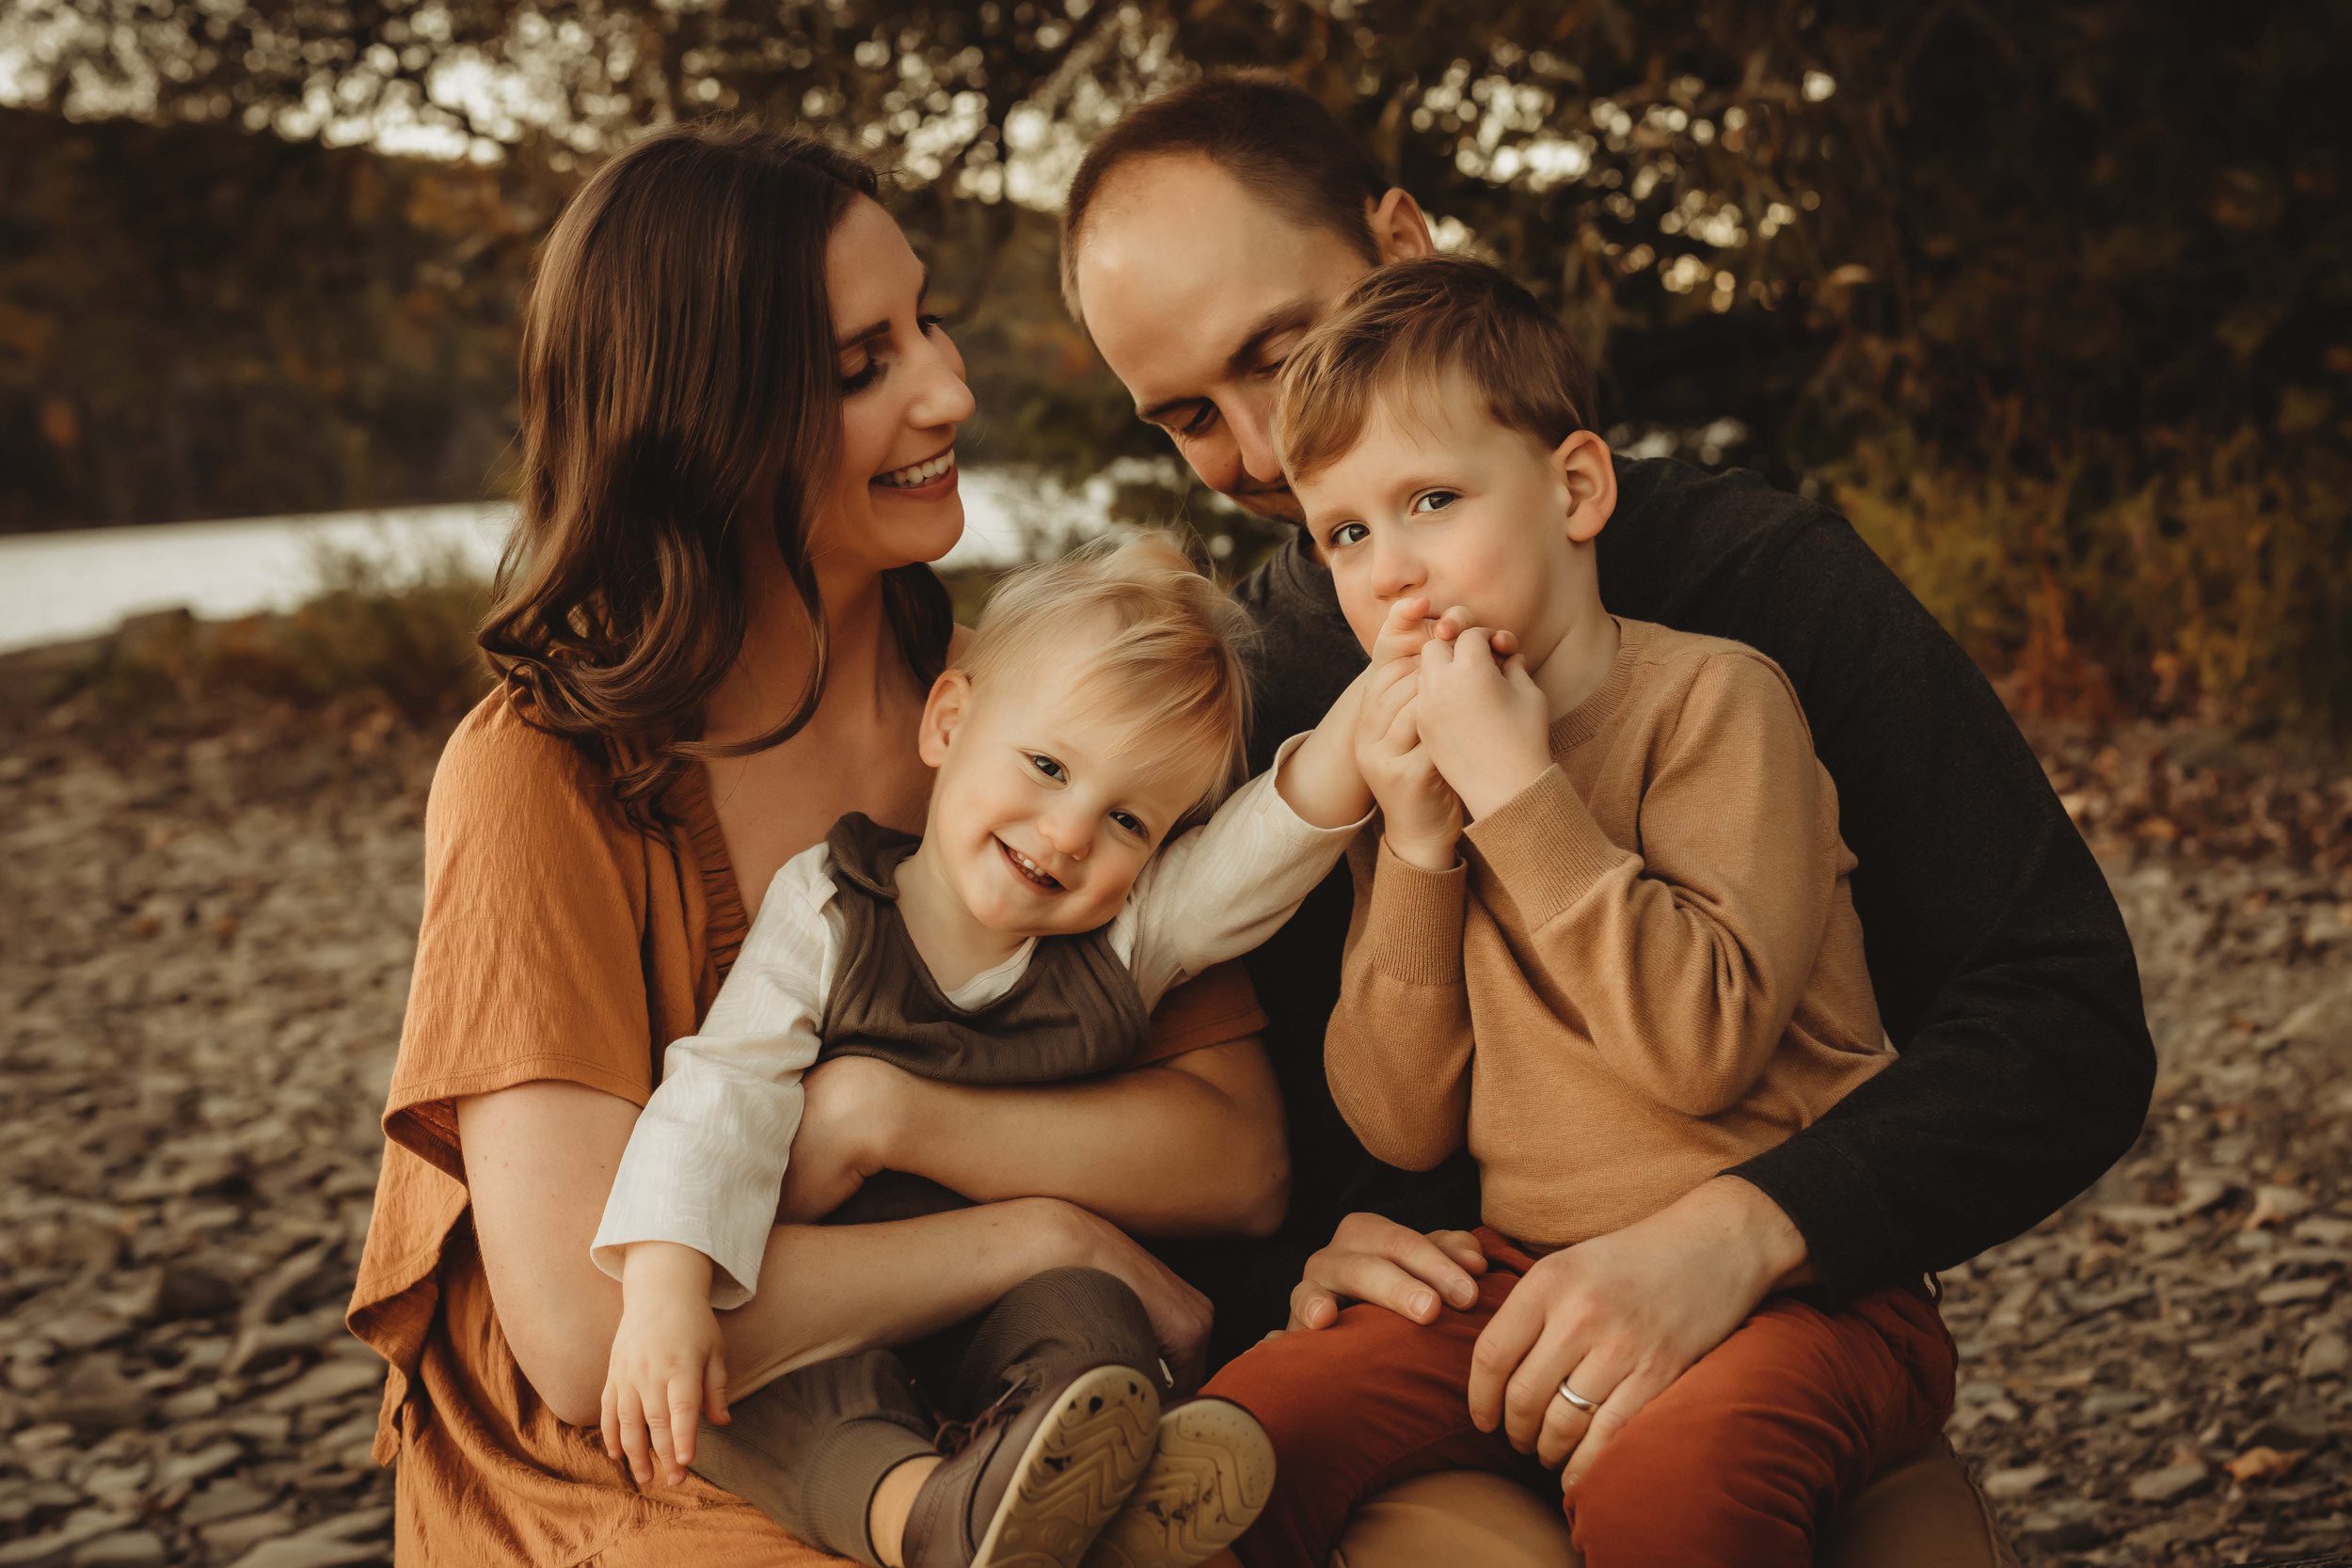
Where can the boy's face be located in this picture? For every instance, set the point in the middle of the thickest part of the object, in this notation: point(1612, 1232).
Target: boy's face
point(1048, 803)
point(1436, 501)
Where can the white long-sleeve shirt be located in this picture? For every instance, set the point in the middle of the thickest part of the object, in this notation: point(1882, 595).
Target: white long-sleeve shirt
point(705, 1163)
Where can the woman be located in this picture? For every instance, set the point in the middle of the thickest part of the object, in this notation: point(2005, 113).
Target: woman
point(715, 631)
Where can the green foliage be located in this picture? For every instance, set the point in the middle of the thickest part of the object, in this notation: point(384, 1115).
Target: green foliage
point(2051, 296)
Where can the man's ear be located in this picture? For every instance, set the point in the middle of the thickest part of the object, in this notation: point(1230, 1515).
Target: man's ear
point(1399, 231)
point(943, 713)
point(1589, 477)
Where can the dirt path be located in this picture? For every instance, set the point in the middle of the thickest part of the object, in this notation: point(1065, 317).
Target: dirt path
point(203, 951)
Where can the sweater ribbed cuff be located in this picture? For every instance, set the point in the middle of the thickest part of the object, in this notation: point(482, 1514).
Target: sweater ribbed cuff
point(1540, 850)
point(1414, 924)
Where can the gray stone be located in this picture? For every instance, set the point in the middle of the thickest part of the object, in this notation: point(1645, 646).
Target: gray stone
point(130, 1549)
point(2003, 1485)
point(2171, 1483)
point(86, 1524)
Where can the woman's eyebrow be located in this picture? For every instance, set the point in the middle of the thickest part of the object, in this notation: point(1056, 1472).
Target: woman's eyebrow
point(865, 335)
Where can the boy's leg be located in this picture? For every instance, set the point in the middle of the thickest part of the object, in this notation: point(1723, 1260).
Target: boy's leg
point(1054, 1402)
point(1369, 1401)
point(1766, 1434)
point(809, 1449)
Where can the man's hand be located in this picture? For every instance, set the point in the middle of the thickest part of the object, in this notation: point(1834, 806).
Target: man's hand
point(668, 1365)
point(1620, 1317)
point(1482, 718)
point(1380, 1262)
point(850, 1114)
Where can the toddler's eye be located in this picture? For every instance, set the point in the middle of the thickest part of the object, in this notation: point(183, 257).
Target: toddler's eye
point(1046, 766)
point(1130, 821)
point(1348, 533)
point(1433, 501)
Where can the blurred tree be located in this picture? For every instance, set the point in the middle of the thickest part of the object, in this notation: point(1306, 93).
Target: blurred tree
point(2050, 295)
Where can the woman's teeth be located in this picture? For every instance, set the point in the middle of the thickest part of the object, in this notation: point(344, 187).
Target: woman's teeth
point(919, 473)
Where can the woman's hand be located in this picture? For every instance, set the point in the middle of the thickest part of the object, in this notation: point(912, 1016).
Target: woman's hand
point(1620, 1317)
point(1482, 718)
point(1180, 1315)
point(850, 1111)
point(668, 1365)
point(1377, 1260)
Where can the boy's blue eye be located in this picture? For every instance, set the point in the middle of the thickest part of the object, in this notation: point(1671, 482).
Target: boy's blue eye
point(1433, 501)
point(1046, 766)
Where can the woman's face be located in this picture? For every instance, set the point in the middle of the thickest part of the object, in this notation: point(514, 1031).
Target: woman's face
point(893, 498)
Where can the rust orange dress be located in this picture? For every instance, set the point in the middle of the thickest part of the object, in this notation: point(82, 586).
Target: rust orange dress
point(558, 943)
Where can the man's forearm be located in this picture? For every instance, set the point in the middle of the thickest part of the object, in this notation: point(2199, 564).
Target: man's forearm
point(1184, 1149)
point(1977, 1133)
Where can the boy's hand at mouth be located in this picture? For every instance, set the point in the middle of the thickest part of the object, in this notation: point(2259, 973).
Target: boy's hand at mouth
point(1481, 718)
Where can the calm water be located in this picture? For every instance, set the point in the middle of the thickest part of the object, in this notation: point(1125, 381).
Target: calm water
point(59, 586)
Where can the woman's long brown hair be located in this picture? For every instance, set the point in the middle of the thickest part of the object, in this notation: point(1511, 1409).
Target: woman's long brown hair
point(678, 382)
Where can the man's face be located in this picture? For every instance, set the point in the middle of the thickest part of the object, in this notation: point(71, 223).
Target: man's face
point(1195, 291)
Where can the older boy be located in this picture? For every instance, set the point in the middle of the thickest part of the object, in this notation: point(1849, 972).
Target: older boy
point(1603, 938)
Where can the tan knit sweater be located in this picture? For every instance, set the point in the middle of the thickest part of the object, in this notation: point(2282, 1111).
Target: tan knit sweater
point(1648, 969)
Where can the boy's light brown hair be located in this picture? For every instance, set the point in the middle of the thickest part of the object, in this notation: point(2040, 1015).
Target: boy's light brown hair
point(1166, 648)
point(1403, 327)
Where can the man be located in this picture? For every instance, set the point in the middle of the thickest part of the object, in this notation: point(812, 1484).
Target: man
point(1203, 234)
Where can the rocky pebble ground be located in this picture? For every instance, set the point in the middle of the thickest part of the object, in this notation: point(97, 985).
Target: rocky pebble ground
point(204, 946)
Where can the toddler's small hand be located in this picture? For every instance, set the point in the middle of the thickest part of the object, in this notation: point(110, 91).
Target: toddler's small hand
point(667, 1367)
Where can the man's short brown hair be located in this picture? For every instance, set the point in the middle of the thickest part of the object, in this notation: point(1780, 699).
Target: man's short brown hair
point(1271, 136)
point(1406, 327)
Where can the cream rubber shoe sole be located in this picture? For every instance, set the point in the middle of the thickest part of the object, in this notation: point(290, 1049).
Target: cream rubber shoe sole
point(1207, 1483)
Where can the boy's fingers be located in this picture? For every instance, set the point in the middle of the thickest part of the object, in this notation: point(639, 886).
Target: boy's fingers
point(684, 1405)
point(1506, 643)
point(632, 1418)
point(1313, 1307)
point(1476, 640)
point(608, 1423)
point(1464, 1249)
point(715, 1390)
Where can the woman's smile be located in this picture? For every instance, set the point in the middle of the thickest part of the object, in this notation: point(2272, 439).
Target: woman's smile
point(930, 480)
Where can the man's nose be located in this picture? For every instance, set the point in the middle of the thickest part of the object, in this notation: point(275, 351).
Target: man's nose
point(1251, 419)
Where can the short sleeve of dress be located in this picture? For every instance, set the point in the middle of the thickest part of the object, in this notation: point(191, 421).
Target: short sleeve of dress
point(1221, 1005)
point(529, 959)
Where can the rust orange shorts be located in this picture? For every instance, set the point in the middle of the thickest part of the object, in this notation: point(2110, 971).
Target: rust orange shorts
point(1735, 1463)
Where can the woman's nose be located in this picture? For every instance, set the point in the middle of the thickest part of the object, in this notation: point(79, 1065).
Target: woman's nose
point(943, 398)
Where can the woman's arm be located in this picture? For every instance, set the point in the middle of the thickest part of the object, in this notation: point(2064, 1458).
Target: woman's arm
point(1193, 1146)
point(541, 1157)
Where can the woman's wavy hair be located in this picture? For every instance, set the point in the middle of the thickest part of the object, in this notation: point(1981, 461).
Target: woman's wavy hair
point(678, 382)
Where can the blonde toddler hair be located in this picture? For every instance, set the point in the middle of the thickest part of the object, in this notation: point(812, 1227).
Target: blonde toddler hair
point(1171, 660)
